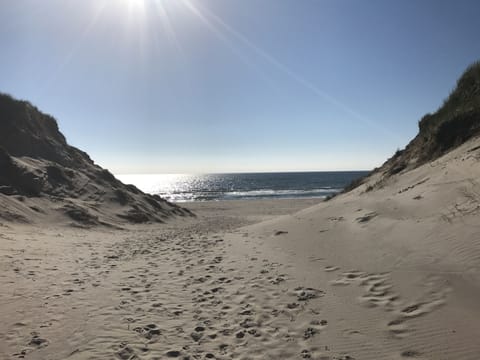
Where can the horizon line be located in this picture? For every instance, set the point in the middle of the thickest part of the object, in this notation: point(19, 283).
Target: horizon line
point(242, 172)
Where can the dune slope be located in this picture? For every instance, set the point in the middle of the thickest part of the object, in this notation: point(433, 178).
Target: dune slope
point(391, 273)
point(396, 259)
point(454, 123)
point(42, 178)
point(399, 266)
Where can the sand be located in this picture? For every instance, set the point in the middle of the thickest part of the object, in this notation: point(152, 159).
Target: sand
point(391, 273)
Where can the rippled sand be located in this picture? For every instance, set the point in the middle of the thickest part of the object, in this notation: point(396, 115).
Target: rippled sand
point(386, 274)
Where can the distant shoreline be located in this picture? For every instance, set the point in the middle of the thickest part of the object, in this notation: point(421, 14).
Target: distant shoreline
point(227, 201)
point(243, 186)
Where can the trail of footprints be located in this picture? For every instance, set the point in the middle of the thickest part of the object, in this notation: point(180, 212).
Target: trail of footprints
point(378, 292)
point(219, 312)
point(204, 307)
point(51, 287)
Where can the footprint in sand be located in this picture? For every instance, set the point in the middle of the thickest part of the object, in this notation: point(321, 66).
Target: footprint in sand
point(379, 291)
point(126, 353)
point(409, 354)
point(305, 294)
point(348, 278)
point(173, 353)
point(278, 279)
point(149, 331)
point(398, 327)
point(367, 217)
point(37, 341)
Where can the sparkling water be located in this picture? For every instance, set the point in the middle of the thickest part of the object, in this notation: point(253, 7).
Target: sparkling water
point(181, 187)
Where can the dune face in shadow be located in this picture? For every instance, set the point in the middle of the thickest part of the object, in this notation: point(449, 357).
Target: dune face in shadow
point(41, 176)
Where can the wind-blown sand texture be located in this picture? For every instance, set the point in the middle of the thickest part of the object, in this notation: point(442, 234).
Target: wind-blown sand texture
point(391, 273)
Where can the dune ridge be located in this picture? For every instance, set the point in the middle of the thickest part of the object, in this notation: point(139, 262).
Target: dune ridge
point(42, 178)
point(454, 123)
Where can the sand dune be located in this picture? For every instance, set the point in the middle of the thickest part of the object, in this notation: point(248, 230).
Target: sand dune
point(44, 179)
point(390, 273)
point(389, 270)
point(399, 266)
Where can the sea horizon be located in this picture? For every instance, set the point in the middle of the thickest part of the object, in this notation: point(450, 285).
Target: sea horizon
point(239, 172)
point(243, 185)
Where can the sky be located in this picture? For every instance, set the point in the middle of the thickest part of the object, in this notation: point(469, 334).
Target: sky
point(198, 86)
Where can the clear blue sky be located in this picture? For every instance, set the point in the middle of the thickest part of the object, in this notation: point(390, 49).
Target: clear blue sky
point(180, 86)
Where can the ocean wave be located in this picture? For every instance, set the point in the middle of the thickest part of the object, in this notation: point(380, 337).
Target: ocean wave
point(291, 192)
point(184, 196)
point(182, 188)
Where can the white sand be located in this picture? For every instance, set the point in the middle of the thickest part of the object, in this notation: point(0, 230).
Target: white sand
point(387, 274)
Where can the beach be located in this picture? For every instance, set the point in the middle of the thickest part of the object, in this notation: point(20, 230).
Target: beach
point(239, 180)
point(107, 293)
point(389, 273)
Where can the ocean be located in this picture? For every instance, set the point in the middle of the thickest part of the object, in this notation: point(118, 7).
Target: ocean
point(242, 186)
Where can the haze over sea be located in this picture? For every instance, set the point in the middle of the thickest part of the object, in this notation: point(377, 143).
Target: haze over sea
point(242, 186)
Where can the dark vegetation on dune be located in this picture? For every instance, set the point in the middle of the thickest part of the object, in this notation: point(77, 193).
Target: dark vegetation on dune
point(456, 121)
point(37, 162)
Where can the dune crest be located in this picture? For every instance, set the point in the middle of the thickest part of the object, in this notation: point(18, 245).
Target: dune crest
point(43, 178)
point(453, 124)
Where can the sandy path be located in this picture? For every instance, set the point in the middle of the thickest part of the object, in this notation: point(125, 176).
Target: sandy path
point(389, 274)
point(175, 291)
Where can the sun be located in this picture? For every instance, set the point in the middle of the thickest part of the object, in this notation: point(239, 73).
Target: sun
point(135, 3)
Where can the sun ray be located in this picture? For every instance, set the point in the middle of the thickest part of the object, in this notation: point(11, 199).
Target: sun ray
point(194, 9)
point(168, 28)
point(136, 23)
point(208, 17)
point(227, 42)
point(75, 48)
